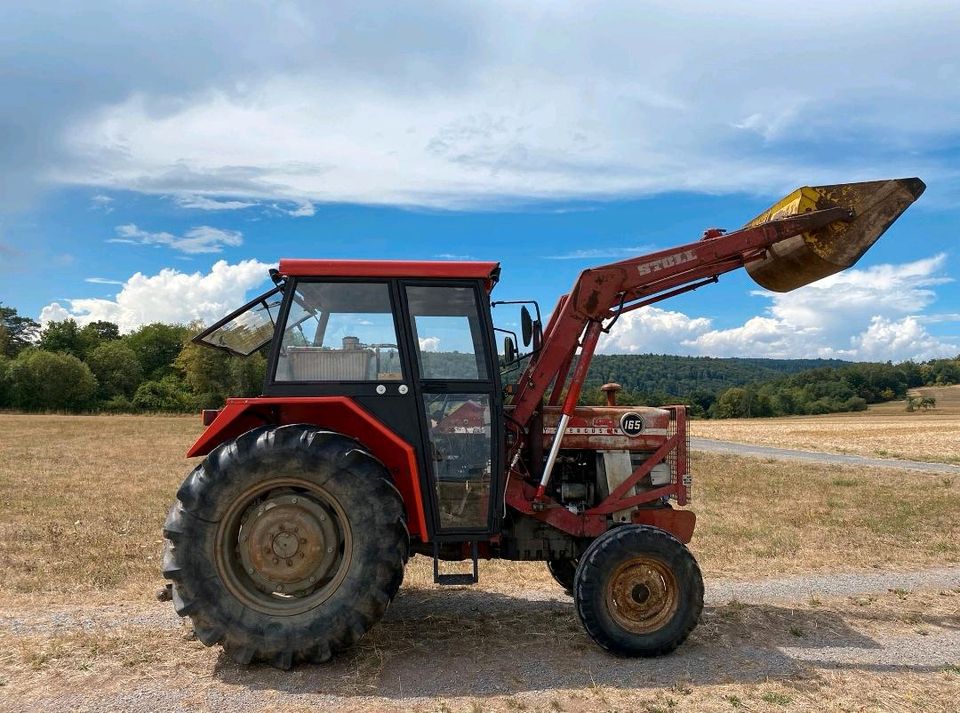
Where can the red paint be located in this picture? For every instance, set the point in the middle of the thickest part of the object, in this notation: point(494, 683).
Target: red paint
point(679, 523)
point(336, 413)
point(599, 292)
point(520, 495)
point(488, 271)
point(587, 348)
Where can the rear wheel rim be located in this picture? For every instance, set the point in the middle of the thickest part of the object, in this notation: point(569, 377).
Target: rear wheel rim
point(284, 546)
point(642, 595)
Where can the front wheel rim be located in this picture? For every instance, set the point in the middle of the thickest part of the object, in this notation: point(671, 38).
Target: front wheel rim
point(642, 595)
point(284, 546)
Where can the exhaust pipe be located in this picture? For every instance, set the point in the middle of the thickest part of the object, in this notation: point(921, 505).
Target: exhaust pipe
point(813, 255)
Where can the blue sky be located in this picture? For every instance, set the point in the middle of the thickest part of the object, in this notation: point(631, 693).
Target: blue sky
point(154, 161)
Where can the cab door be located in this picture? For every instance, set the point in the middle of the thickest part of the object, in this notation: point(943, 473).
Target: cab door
point(457, 385)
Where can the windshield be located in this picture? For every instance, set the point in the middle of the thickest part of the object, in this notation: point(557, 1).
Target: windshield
point(248, 329)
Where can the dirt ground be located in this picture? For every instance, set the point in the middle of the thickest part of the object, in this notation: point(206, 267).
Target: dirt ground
point(884, 430)
point(477, 649)
point(82, 500)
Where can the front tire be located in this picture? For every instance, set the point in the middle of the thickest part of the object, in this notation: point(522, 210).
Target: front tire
point(638, 591)
point(285, 545)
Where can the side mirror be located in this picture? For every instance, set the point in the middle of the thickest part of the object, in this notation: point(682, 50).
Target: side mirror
point(526, 326)
point(509, 350)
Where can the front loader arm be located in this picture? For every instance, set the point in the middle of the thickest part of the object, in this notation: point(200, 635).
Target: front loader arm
point(809, 234)
point(606, 292)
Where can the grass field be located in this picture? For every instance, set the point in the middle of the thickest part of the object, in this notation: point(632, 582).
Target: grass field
point(884, 430)
point(82, 501)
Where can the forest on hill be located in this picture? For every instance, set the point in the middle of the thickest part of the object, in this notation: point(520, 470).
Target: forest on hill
point(684, 376)
point(65, 367)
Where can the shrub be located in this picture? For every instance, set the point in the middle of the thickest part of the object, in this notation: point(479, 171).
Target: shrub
point(117, 370)
point(42, 380)
point(118, 404)
point(855, 403)
point(168, 394)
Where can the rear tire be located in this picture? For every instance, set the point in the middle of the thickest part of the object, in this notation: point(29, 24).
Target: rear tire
point(563, 572)
point(285, 545)
point(638, 591)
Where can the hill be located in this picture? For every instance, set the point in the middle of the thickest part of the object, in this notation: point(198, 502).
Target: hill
point(684, 377)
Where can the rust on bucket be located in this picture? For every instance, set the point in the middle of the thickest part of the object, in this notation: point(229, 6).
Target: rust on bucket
point(813, 255)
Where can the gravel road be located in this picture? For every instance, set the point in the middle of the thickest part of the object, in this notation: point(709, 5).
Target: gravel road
point(745, 449)
point(450, 644)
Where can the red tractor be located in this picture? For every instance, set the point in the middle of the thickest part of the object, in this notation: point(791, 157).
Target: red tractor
point(385, 428)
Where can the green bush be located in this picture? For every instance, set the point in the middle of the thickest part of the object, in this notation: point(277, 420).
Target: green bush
point(4, 381)
point(42, 380)
point(118, 404)
point(855, 403)
point(117, 370)
point(168, 394)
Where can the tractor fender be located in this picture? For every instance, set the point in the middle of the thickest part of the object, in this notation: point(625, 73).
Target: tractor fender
point(335, 413)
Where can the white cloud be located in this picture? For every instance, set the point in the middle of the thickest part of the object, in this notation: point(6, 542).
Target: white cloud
point(652, 329)
point(102, 203)
point(304, 209)
point(102, 281)
point(202, 239)
point(429, 344)
point(169, 296)
point(474, 104)
point(887, 339)
point(453, 256)
point(869, 314)
point(600, 253)
point(198, 202)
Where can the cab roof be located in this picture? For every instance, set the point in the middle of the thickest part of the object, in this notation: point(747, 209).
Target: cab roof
point(438, 269)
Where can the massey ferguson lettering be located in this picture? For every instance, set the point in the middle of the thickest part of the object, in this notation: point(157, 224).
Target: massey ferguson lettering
point(665, 262)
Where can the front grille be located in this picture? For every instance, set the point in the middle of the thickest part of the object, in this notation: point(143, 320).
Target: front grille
point(679, 457)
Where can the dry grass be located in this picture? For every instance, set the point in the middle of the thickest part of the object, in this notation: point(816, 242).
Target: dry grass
point(883, 431)
point(757, 517)
point(82, 501)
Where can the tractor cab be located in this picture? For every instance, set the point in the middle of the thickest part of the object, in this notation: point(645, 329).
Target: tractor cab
point(409, 343)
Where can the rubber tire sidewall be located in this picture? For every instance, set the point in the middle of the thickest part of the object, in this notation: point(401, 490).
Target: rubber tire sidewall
point(600, 561)
point(375, 516)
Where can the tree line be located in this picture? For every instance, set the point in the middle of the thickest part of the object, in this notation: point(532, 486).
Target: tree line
point(845, 386)
point(65, 367)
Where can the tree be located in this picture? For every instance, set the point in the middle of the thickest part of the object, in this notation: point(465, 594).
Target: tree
point(157, 346)
point(4, 380)
point(100, 331)
point(734, 403)
point(97, 333)
point(17, 332)
point(167, 394)
point(206, 371)
point(247, 375)
point(117, 370)
point(63, 337)
point(42, 380)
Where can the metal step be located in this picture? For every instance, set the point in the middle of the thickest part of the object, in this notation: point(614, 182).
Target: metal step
point(457, 579)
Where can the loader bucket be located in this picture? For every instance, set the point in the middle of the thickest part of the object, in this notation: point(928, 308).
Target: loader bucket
point(808, 257)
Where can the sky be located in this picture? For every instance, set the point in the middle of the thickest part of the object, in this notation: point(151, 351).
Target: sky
point(157, 158)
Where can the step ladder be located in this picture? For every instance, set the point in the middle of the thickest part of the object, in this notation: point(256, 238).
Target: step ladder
point(459, 578)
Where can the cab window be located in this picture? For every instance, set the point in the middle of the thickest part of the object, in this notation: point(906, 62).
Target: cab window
point(339, 331)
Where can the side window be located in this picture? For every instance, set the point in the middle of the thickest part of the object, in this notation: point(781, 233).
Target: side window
point(339, 331)
point(446, 325)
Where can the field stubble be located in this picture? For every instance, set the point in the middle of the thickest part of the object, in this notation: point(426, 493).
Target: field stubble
point(883, 431)
point(82, 500)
